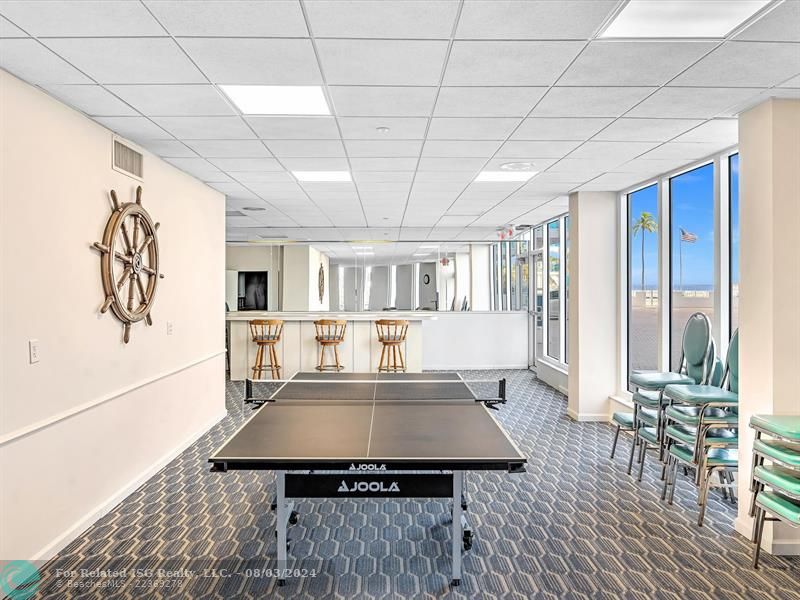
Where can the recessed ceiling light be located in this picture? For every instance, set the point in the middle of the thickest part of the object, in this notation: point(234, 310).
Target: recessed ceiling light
point(517, 166)
point(253, 208)
point(322, 175)
point(278, 99)
point(382, 129)
point(681, 19)
point(495, 176)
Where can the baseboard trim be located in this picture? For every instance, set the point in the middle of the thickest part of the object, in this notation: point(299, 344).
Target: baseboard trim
point(744, 527)
point(76, 410)
point(586, 417)
point(65, 538)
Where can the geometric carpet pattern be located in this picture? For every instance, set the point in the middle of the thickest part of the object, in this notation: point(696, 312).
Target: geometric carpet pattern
point(574, 525)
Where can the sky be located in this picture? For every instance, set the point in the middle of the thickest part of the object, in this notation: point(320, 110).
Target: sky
point(692, 208)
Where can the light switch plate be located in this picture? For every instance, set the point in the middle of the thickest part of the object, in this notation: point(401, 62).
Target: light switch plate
point(33, 351)
point(170, 327)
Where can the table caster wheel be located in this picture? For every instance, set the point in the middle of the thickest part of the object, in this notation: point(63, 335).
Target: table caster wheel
point(455, 582)
point(467, 539)
point(293, 518)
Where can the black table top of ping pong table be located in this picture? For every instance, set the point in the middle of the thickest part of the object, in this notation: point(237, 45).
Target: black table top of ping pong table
point(392, 421)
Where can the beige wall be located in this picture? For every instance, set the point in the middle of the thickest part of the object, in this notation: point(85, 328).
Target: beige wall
point(300, 278)
point(92, 419)
point(769, 330)
point(315, 259)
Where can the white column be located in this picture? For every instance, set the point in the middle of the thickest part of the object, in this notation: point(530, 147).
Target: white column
point(592, 304)
point(769, 322)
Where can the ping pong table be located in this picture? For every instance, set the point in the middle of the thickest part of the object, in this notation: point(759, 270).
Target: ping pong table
point(370, 435)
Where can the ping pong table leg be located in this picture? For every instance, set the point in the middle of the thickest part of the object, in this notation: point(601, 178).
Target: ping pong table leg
point(458, 478)
point(282, 520)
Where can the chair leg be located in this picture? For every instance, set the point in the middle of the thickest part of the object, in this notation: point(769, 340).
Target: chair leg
point(402, 362)
point(614, 444)
point(277, 364)
point(642, 457)
point(634, 443)
point(703, 497)
point(666, 470)
point(760, 517)
point(336, 356)
point(383, 353)
point(394, 358)
point(723, 480)
point(674, 477)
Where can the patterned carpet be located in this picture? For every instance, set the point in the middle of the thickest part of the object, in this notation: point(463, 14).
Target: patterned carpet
point(574, 526)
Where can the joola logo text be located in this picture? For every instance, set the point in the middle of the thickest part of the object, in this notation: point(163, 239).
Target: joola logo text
point(367, 486)
point(367, 467)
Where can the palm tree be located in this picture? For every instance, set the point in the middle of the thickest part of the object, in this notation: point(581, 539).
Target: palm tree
point(644, 224)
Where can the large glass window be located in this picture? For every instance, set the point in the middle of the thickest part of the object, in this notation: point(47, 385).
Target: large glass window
point(503, 250)
point(643, 297)
point(553, 290)
point(566, 289)
point(733, 190)
point(691, 197)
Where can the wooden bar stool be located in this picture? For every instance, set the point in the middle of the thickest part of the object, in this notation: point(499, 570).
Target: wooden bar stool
point(266, 333)
point(392, 335)
point(330, 333)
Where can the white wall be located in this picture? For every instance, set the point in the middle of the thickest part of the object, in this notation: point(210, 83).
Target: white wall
point(427, 292)
point(94, 417)
point(379, 288)
point(257, 258)
point(404, 298)
point(300, 287)
point(479, 277)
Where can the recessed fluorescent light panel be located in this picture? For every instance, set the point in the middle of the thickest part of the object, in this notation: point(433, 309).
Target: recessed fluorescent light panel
point(322, 175)
point(278, 99)
point(495, 176)
point(681, 19)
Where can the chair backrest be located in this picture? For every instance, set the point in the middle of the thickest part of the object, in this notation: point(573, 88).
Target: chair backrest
point(393, 330)
point(266, 329)
point(697, 349)
point(732, 363)
point(330, 329)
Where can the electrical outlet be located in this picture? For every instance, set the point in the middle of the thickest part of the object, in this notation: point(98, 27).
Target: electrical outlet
point(170, 327)
point(33, 351)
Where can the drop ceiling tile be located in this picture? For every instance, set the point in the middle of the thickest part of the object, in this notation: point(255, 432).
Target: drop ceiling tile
point(246, 164)
point(508, 63)
point(205, 128)
point(763, 96)
point(474, 128)
point(255, 60)
point(641, 63)
point(650, 167)
point(92, 100)
point(744, 64)
point(266, 188)
point(781, 24)
point(9, 30)
point(720, 131)
point(134, 128)
point(372, 148)
point(436, 163)
point(543, 19)
point(128, 60)
point(29, 60)
point(442, 177)
point(275, 18)
point(82, 18)
point(536, 149)
point(174, 100)
point(536, 128)
point(306, 148)
point(229, 148)
point(646, 130)
point(612, 182)
point(794, 82)
point(690, 102)
point(243, 222)
point(471, 148)
point(383, 164)
point(487, 101)
point(316, 164)
point(372, 186)
point(590, 101)
point(366, 128)
point(198, 167)
point(618, 151)
point(455, 220)
point(383, 101)
point(539, 163)
point(382, 176)
point(294, 128)
point(583, 168)
point(684, 150)
point(382, 62)
point(235, 191)
point(382, 19)
point(556, 177)
point(168, 149)
point(248, 177)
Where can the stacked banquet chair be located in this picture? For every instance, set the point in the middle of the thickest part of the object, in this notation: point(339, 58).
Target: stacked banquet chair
point(697, 366)
point(781, 448)
point(701, 424)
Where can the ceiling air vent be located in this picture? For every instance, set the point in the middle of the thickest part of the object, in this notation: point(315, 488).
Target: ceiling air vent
point(128, 160)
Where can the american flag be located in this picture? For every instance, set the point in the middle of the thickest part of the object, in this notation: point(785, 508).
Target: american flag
point(687, 236)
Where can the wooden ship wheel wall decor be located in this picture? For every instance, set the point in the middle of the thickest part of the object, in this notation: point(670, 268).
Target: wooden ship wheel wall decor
point(129, 262)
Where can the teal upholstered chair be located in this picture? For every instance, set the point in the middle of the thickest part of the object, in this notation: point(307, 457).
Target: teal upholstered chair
point(701, 431)
point(696, 366)
point(775, 486)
